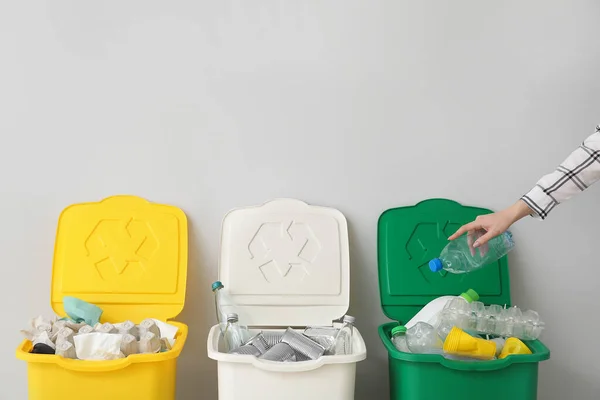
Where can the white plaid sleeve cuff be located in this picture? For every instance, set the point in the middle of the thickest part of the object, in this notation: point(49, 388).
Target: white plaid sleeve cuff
point(539, 202)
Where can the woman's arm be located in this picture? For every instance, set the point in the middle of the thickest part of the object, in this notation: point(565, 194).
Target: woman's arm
point(578, 172)
point(495, 224)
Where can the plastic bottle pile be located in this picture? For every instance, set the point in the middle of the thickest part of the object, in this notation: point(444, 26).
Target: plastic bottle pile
point(491, 320)
point(281, 346)
point(461, 256)
point(452, 326)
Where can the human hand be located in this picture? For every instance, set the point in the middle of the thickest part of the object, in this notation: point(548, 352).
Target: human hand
point(493, 224)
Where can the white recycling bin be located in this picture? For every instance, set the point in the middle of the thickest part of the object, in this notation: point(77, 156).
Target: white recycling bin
point(283, 264)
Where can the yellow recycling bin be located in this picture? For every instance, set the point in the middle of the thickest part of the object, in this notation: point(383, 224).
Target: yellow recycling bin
point(129, 257)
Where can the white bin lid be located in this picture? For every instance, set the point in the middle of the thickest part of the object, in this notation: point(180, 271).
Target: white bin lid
point(285, 263)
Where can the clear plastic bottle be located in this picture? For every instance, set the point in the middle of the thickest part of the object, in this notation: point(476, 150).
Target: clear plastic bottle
point(399, 339)
point(324, 335)
point(432, 311)
point(424, 339)
point(343, 340)
point(460, 257)
point(532, 325)
point(512, 322)
point(509, 322)
point(457, 312)
point(491, 321)
point(234, 335)
point(217, 288)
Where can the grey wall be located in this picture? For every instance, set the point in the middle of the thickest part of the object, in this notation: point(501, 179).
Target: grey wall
point(358, 105)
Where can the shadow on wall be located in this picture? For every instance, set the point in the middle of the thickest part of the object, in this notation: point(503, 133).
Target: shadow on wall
point(196, 374)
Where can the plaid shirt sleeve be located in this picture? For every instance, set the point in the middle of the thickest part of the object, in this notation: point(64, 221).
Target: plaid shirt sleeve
point(580, 170)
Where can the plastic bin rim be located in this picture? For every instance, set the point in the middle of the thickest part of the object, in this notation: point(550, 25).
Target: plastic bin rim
point(23, 353)
point(540, 353)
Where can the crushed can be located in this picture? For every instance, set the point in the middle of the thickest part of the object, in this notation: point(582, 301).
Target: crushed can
point(281, 352)
point(302, 344)
point(247, 349)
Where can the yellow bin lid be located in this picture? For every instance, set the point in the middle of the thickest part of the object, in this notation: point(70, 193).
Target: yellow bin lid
point(124, 254)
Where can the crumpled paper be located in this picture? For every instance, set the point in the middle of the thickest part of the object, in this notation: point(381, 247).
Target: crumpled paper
point(36, 327)
point(57, 326)
point(64, 335)
point(98, 346)
point(167, 331)
point(45, 339)
point(92, 340)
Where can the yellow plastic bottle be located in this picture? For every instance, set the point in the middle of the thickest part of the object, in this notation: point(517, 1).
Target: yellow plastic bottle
point(514, 346)
point(462, 344)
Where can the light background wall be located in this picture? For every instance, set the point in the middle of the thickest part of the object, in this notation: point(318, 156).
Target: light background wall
point(358, 105)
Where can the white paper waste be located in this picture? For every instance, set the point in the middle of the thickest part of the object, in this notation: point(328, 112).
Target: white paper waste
point(57, 326)
point(65, 335)
point(167, 331)
point(103, 341)
point(98, 346)
point(44, 338)
point(37, 326)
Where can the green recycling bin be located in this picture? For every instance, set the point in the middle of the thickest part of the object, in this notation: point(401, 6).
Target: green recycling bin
point(408, 238)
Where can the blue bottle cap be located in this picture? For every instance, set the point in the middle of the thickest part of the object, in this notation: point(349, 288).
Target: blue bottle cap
point(436, 265)
point(217, 285)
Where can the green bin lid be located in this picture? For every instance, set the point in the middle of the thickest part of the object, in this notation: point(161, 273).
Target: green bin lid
point(408, 238)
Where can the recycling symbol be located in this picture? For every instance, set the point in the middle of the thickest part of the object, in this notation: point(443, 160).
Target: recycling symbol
point(284, 250)
point(121, 247)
